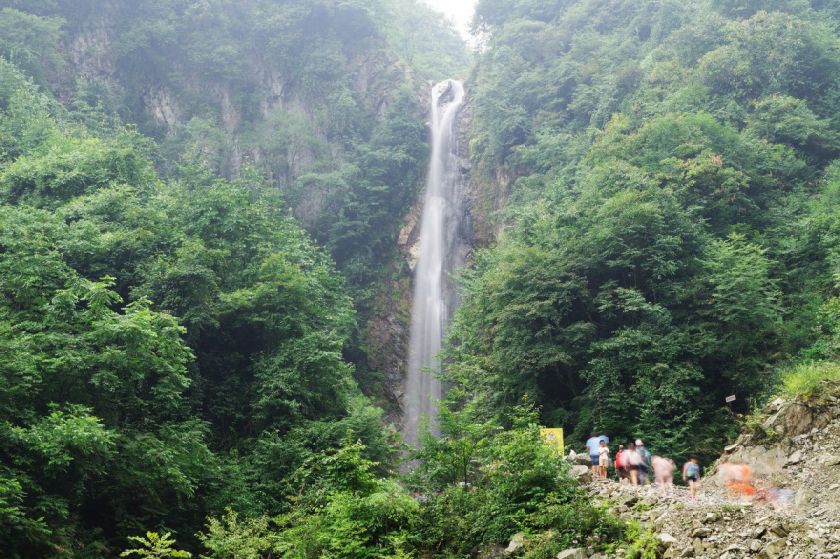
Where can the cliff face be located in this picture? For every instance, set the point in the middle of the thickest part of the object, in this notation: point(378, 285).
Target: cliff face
point(279, 120)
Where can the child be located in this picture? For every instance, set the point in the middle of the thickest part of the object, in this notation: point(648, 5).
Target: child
point(603, 459)
point(691, 474)
point(620, 469)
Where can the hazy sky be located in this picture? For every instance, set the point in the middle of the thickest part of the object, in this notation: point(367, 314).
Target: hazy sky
point(460, 11)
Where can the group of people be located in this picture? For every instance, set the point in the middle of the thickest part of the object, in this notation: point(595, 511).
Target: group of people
point(634, 464)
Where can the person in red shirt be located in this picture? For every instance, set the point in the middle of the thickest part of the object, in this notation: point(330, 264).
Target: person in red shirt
point(620, 469)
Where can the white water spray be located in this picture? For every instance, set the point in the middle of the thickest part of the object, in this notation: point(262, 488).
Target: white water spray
point(438, 233)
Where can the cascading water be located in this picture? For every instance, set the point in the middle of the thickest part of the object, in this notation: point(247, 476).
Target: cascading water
point(438, 235)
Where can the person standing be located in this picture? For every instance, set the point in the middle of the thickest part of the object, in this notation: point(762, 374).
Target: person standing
point(691, 474)
point(663, 472)
point(593, 446)
point(620, 469)
point(644, 468)
point(633, 461)
point(603, 459)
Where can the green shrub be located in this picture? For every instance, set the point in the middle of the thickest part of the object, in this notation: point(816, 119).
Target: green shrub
point(804, 379)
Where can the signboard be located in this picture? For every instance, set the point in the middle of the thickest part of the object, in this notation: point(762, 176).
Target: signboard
point(730, 399)
point(553, 437)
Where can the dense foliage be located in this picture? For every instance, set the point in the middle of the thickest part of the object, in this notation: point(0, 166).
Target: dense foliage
point(670, 238)
point(181, 298)
point(169, 347)
point(322, 97)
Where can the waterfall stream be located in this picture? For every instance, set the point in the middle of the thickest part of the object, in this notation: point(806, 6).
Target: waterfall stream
point(438, 236)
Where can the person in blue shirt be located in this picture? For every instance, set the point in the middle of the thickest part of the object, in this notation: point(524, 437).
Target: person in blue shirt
point(691, 474)
point(593, 445)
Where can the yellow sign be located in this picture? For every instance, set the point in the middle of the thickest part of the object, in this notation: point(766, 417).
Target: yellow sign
point(553, 437)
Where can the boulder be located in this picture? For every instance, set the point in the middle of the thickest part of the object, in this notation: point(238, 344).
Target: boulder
point(574, 553)
point(517, 542)
point(582, 473)
point(794, 458)
point(773, 550)
point(701, 533)
point(667, 540)
point(779, 529)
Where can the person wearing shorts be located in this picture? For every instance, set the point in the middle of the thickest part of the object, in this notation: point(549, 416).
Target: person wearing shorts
point(603, 459)
point(593, 446)
point(633, 462)
point(691, 474)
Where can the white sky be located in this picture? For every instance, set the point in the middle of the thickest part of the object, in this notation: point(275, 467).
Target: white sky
point(459, 11)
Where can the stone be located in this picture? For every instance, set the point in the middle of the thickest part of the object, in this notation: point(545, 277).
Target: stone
point(759, 532)
point(574, 553)
point(667, 540)
point(701, 533)
point(629, 500)
point(779, 529)
point(794, 458)
point(517, 542)
point(773, 550)
point(832, 461)
point(755, 546)
point(582, 473)
point(711, 517)
point(803, 497)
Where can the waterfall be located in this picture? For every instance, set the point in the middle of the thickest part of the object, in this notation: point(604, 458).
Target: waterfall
point(438, 255)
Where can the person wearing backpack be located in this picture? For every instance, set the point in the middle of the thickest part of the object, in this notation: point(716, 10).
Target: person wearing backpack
point(691, 474)
point(645, 465)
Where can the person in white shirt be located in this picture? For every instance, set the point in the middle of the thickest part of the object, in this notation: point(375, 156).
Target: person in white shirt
point(603, 459)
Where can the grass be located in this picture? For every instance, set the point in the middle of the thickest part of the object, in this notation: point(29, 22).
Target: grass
point(803, 380)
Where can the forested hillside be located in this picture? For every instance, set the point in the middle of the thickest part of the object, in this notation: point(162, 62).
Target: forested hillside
point(670, 232)
point(173, 340)
point(200, 203)
point(325, 99)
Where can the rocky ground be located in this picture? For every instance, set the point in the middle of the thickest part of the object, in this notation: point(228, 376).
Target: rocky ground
point(793, 448)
